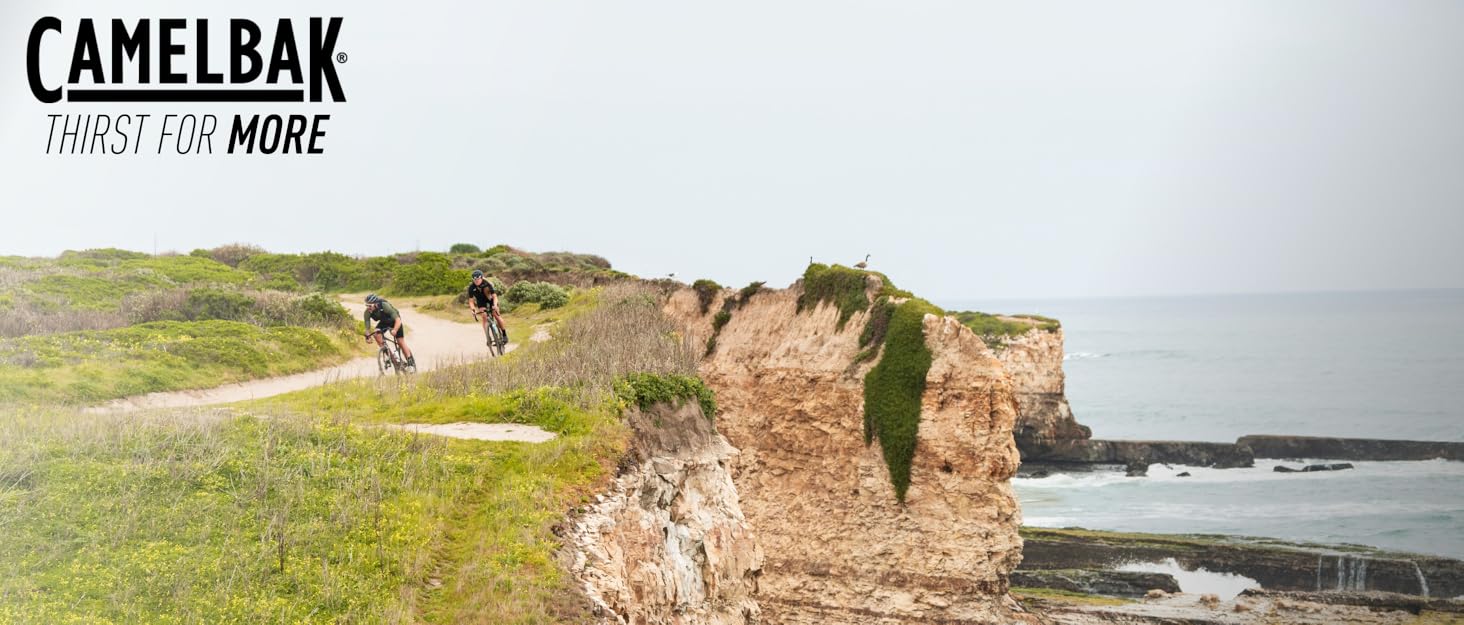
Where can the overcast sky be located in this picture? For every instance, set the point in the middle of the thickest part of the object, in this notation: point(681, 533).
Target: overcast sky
point(974, 149)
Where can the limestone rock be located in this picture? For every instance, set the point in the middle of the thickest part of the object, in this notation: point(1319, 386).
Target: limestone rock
point(668, 544)
point(839, 547)
point(1034, 361)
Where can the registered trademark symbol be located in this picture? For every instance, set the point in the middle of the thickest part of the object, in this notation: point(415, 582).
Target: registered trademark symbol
point(340, 57)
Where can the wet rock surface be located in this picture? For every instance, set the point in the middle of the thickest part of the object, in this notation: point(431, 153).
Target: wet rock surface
point(1096, 581)
point(1191, 453)
point(1266, 446)
point(1276, 565)
point(1312, 468)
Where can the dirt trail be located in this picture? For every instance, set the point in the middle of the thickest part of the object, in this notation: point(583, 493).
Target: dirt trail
point(435, 343)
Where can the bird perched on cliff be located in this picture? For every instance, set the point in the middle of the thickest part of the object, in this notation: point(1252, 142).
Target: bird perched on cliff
point(863, 263)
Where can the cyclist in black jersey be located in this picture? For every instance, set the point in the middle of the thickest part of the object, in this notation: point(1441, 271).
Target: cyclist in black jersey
point(483, 298)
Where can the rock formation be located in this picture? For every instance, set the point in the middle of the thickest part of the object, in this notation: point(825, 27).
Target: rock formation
point(668, 544)
point(1034, 360)
point(839, 546)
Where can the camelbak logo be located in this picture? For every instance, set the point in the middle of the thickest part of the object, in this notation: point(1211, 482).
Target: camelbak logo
point(152, 55)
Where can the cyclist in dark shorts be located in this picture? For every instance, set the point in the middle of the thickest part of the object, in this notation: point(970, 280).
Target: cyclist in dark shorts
point(387, 320)
point(483, 298)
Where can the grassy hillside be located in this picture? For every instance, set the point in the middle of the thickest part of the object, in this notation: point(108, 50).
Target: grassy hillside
point(304, 509)
point(100, 324)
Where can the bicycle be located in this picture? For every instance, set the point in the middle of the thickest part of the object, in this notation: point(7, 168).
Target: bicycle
point(391, 357)
point(493, 333)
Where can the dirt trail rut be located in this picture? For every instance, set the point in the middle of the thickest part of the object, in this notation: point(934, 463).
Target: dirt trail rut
point(435, 343)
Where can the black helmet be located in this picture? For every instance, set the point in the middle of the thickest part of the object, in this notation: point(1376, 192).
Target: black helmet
point(477, 273)
point(373, 299)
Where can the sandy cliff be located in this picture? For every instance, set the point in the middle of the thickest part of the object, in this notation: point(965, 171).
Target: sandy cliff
point(839, 547)
point(1034, 360)
point(668, 543)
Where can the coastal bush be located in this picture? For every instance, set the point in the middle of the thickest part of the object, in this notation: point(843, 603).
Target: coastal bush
point(545, 294)
point(748, 291)
point(464, 248)
point(644, 390)
point(706, 291)
point(893, 389)
point(430, 274)
point(233, 253)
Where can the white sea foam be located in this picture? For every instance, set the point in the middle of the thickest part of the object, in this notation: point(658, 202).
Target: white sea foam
point(1263, 471)
point(1082, 356)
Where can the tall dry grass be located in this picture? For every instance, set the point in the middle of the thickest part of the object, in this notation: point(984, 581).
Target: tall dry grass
point(625, 333)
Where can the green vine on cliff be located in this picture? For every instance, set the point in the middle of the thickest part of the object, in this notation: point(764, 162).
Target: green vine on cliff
point(893, 387)
point(843, 287)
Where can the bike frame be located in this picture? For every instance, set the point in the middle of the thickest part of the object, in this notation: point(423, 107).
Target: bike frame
point(393, 349)
point(495, 334)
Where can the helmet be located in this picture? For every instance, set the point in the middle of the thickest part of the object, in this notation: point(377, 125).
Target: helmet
point(373, 299)
point(477, 273)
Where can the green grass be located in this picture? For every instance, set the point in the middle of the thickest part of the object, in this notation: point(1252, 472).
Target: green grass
point(289, 513)
point(893, 388)
point(97, 365)
point(994, 330)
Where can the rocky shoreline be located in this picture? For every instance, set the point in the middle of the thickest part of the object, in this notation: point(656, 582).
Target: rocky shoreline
point(1072, 576)
point(1274, 564)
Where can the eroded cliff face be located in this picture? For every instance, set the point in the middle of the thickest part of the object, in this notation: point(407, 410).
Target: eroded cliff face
point(668, 543)
point(1044, 418)
point(839, 546)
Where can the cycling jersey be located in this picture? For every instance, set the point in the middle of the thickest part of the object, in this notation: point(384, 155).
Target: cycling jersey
point(385, 317)
point(481, 294)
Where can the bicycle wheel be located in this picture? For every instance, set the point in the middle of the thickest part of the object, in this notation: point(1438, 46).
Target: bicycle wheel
point(495, 340)
point(383, 360)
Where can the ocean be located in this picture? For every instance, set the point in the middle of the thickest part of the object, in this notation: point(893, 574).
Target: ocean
point(1213, 368)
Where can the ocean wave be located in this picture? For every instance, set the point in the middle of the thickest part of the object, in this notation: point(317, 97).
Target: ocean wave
point(1082, 356)
point(1263, 471)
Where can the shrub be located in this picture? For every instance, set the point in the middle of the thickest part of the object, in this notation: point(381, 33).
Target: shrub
point(496, 250)
point(431, 274)
point(544, 294)
point(644, 390)
point(216, 304)
point(720, 319)
point(234, 253)
point(893, 389)
point(748, 291)
point(319, 310)
point(463, 248)
point(706, 291)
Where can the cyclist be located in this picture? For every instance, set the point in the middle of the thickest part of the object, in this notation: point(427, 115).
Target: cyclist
point(483, 298)
point(387, 320)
